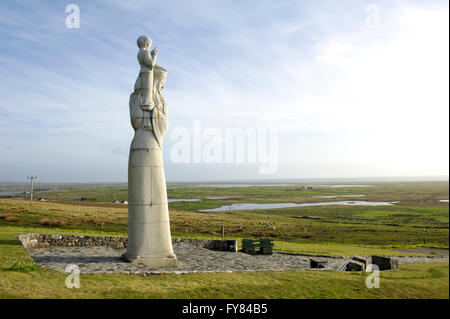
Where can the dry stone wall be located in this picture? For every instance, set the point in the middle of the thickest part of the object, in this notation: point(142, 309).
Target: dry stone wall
point(116, 242)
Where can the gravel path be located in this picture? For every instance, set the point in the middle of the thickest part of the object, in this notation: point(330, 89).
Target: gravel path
point(103, 259)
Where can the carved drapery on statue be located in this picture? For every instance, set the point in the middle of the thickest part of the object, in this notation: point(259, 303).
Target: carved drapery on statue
point(156, 119)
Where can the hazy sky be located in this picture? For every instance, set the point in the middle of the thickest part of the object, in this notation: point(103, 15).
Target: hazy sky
point(349, 88)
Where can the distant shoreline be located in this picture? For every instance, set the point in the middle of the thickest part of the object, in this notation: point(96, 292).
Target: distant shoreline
point(437, 178)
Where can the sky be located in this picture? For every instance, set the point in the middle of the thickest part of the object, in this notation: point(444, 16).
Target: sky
point(314, 89)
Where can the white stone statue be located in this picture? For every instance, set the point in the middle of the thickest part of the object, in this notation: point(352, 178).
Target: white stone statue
point(149, 239)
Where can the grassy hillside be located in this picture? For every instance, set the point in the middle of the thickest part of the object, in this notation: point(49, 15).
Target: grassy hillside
point(355, 225)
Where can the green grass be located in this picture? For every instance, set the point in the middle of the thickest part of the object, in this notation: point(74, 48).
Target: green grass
point(428, 280)
point(391, 225)
point(336, 250)
point(23, 266)
point(400, 225)
point(8, 232)
point(411, 281)
point(340, 231)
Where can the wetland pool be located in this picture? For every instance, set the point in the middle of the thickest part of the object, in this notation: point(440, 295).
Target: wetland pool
point(250, 206)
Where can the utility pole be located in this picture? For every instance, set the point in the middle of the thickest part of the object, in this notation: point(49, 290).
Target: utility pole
point(31, 188)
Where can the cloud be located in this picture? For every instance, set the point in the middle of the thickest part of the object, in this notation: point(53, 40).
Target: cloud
point(313, 70)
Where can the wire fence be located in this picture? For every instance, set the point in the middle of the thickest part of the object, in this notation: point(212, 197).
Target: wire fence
point(317, 239)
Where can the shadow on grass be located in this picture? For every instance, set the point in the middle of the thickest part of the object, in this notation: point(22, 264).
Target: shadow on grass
point(10, 242)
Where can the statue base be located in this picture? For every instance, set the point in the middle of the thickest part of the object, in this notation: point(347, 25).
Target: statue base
point(151, 262)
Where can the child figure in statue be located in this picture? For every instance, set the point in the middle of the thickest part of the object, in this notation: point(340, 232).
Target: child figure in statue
point(144, 82)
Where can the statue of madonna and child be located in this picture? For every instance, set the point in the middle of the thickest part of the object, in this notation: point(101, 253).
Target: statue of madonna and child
point(149, 239)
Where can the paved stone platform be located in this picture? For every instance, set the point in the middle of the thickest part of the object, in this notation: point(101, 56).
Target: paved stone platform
point(192, 259)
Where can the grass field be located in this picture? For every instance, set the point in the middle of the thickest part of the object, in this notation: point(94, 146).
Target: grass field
point(418, 219)
point(18, 279)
